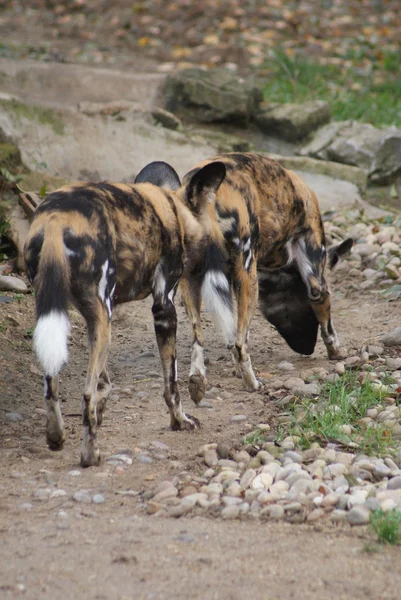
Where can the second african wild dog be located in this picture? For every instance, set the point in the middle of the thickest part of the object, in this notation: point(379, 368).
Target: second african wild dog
point(97, 244)
point(266, 242)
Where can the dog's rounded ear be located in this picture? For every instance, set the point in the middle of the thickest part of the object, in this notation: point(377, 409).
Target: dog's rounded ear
point(161, 174)
point(335, 252)
point(203, 185)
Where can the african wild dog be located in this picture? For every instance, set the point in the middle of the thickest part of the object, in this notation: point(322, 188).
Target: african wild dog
point(266, 242)
point(97, 244)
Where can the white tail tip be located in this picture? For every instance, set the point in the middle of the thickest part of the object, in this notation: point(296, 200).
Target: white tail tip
point(216, 296)
point(50, 341)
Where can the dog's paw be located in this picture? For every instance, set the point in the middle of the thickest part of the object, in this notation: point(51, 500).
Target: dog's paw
point(197, 387)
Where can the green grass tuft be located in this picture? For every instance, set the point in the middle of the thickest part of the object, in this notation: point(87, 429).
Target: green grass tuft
point(387, 526)
point(372, 96)
point(343, 402)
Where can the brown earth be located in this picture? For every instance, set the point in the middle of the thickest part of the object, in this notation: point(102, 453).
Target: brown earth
point(62, 549)
point(114, 550)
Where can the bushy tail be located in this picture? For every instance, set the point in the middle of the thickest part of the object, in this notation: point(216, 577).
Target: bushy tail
point(52, 288)
point(217, 292)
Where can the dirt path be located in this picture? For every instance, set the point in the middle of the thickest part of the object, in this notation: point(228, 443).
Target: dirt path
point(57, 547)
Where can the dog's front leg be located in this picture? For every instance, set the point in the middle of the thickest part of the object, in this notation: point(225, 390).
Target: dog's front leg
point(322, 310)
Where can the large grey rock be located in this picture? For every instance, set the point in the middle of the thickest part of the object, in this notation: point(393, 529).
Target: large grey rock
point(359, 144)
point(210, 96)
point(334, 170)
point(292, 121)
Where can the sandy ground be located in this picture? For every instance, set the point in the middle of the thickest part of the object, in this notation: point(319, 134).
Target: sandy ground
point(59, 548)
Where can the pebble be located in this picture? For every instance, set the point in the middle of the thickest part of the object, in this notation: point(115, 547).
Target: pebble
point(153, 507)
point(98, 499)
point(285, 366)
point(119, 459)
point(25, 506)
point(211, 459)
point(338, 515)
point(381, 471)
point(315, 515)
point(230, 512)
point(14, 417)
point(42, 493)
point(273, 511)
point(393, 337)
point(238, 418)
point(74, 473)
point(394, 483)
point(393, 363)
point(82, 497)
point(293, 382)
point(12, 284)
point(58, 494)
point(388, 504)
point(144, 458)
point(358, 515)
point(294, 456)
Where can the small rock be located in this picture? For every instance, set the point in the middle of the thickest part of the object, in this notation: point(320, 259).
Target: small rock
point(273, 511)
point(14, 417)
point(247, 478)
point(381, 471)
point(339, 368)
point(42, 493)
point(58, 494)
point(293, 382)
point(338, 515)
point(238, 418)
point(12, 284)
point(375, 350)
point(25, 506)
point(315, 515)
point(352, 361)
point(82, 497)
point(285, 366)
point(211, 459)
point(223, 451)
point(359, 515)
point(144, 458)
point(230, 512)
point(166, 118)
point(393, 363)
point(153, 507)
point(388, 505)
point(393, 338)
point(98, 499)
point(120, 459)
point(394, 483)
point(294, 456)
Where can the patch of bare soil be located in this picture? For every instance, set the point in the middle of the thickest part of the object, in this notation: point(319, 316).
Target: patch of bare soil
point(56, 547)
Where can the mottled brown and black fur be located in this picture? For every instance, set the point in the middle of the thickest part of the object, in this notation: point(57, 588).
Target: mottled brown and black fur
point(266, 243)
point(94, 245)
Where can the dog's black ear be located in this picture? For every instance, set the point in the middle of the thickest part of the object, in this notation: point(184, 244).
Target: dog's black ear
point(159, 173)
point(334, 253)
point(203, 185)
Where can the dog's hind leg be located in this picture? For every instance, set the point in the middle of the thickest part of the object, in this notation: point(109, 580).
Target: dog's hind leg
point(246, 291)
point(165, 320)
point(99, 334)
point(191, 296)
